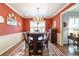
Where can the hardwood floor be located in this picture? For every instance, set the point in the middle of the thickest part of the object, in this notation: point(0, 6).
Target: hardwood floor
point(68, 50)
point(14, 49)
point(53, 51)
point(72, 50)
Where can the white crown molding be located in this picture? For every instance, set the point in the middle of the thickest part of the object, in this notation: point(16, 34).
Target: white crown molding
point(70, 9)
point(47, 17)
point(61, 9)
point(14, 9)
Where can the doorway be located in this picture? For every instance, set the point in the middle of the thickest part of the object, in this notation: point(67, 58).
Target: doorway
point(70, 24)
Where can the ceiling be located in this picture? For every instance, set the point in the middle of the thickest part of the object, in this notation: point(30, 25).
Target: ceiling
point(73, 9)
point(76, 8)
point(30, 9)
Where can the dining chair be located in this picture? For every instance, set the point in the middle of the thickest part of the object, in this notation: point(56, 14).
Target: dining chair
point(46, 39)
point(35, 46)
point(26, 36)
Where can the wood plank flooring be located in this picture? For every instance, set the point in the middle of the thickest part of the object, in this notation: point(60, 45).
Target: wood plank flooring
point(54, 50)
point(68, 50)
point(51, 51)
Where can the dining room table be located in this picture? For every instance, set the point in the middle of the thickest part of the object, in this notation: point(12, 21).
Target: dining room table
point(36, 37)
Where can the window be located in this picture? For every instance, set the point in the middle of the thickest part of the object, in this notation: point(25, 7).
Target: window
point(37, 26)
point(73, 24)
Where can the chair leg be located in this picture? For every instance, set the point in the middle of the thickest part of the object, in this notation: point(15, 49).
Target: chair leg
point(25, 47)
point(41, 52)
point(29, 52)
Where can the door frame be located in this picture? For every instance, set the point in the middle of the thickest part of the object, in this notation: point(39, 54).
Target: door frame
point(61, 23)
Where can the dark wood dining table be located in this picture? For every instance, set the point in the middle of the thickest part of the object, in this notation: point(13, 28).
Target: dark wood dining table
point(35, 35)
point(74, 39)
point(35, 40)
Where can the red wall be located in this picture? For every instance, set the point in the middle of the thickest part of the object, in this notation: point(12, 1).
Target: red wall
point(57, 19)
point(57, 16)
point(8, 29)
point(48, 23)
point(27, 24)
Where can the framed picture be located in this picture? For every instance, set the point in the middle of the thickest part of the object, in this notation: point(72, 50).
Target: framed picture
point(54, 23)
point(11, 20)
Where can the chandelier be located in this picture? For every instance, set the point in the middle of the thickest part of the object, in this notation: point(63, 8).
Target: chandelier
point(38, 19)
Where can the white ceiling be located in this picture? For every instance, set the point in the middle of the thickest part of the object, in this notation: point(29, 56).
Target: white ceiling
point(30, 9)
point(76, 8)
point(73, 9)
